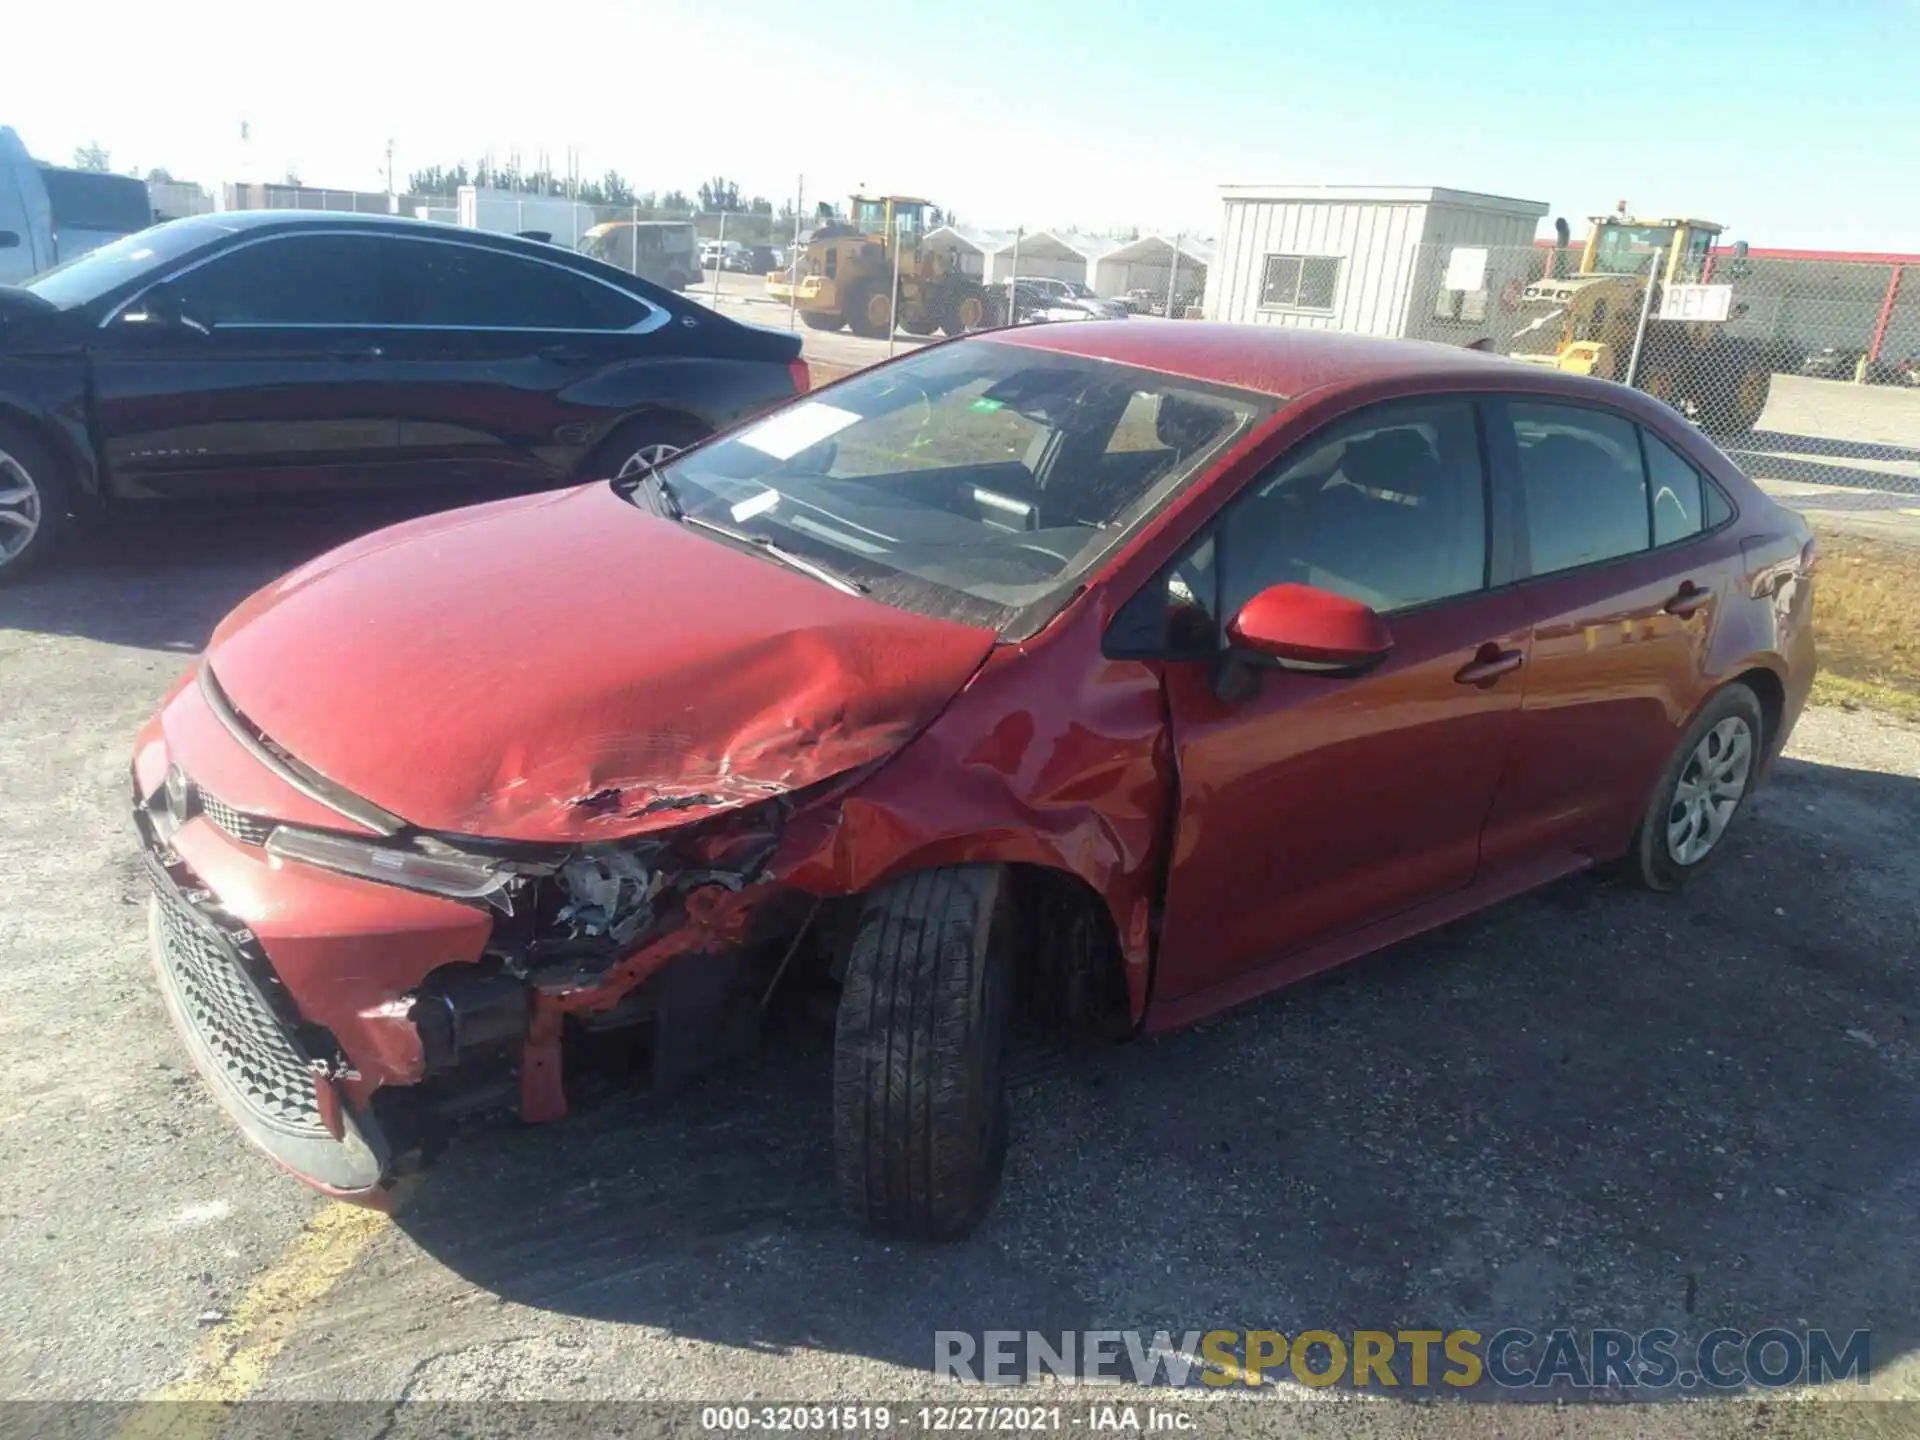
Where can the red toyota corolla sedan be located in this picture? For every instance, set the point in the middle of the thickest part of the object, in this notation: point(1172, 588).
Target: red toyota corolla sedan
point(1092, 676)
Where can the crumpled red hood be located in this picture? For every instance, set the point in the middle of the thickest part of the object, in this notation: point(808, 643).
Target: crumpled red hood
point(566, 667)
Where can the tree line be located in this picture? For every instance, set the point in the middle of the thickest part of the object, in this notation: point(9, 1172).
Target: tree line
point(612, 188)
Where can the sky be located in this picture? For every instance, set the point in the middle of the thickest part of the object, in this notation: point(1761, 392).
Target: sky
point(1791, 123)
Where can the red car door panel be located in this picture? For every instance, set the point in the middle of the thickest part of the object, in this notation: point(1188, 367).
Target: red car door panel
point(1318, 803)
point(1322, 804)
point(1620, 645)
point(1613, 676)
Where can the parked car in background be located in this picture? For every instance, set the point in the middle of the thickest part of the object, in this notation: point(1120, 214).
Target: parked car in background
point(50, 214)
point(1036, 299)
point(1834, 362)
point(721, 254)
point(757, 260)
point(1151, 301)
point(662, 251)
point(1093, 677)
point(1837, 362)
point(280, 351)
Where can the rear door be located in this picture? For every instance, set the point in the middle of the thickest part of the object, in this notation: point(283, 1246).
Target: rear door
point(510, 363)
point(1315, 804)
point(1619, 561)
point(266, 368)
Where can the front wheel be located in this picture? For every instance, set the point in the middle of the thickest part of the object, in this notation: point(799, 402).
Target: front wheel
point(1705, 783)
point(33, 503)
point(919, 1095)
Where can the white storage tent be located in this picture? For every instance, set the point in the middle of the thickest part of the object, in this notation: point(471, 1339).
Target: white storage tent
point(1149, 264)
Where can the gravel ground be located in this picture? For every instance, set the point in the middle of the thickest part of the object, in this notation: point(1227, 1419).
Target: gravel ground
point(1591, 1107)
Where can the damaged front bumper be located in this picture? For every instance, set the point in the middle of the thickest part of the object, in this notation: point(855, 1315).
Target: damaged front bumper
point(349, 1007)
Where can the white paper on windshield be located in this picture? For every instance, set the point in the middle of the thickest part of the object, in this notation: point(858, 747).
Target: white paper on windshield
point(785, 435)
point(755, 505)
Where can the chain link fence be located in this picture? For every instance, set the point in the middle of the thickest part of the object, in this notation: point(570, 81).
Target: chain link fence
point(1804, 368)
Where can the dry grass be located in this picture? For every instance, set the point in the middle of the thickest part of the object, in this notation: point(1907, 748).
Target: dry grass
point(1866, 616)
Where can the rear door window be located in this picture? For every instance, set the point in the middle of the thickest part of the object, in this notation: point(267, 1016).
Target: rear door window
point(468, 287)
point(1685, 502)
point(1582, 483)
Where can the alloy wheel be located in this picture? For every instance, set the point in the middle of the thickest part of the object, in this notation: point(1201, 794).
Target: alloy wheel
point(19, 509)
point(645, 458)
point(1710, 788)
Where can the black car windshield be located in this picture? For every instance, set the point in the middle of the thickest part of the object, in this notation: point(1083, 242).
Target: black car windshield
point(85, 278)
point(976, 481)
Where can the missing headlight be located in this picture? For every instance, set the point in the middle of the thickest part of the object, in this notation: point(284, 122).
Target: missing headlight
point(609, 893)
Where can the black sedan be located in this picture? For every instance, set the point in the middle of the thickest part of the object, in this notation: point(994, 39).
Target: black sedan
point(278, 351)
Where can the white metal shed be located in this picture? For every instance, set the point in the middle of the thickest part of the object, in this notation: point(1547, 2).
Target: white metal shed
point(1366, 259)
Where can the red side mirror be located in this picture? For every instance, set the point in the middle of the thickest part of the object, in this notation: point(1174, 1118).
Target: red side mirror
point(1309, 629)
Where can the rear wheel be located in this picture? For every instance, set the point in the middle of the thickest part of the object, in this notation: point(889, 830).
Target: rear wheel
point(33, 503)
point(1705, 783)
point(919, 1093)
point(639, 445)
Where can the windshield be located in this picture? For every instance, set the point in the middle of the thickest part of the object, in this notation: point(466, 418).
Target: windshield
point(977, 481)
point(87, 277)
point(1629, 249)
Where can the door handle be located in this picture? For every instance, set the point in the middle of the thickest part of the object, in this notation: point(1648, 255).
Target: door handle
point(1489, 663)
point(1687, 599)
point(367, 352)
point(565, 354)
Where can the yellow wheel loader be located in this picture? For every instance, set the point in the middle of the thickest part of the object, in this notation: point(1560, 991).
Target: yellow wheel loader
point(1590, 322)
point(845, 276)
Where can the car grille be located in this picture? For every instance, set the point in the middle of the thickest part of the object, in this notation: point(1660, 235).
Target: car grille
point(247, 829)
point(231, 1018)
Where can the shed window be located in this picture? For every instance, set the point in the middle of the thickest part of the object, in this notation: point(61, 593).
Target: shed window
point(1301, 282)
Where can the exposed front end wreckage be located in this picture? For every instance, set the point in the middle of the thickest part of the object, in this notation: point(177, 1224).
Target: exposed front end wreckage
point(354, 996)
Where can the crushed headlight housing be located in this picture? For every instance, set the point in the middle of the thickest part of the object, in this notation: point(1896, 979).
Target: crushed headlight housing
point(445, 871)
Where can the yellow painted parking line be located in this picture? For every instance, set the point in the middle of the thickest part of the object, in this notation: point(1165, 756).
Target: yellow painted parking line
point(232, 1358)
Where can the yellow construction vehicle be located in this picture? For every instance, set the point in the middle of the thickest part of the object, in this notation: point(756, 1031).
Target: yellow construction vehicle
point(845, 275)
point(1592, 322)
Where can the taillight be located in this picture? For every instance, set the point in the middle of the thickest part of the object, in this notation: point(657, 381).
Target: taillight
point(802, 381)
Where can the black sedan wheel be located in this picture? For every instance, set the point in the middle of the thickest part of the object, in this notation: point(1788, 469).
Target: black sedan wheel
point(33, 503)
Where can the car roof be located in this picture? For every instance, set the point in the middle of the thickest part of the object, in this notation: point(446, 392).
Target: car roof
point(227, 222)
point(1272, 359)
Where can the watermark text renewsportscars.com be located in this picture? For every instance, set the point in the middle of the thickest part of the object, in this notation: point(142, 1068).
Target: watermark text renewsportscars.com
point(1514, 1358)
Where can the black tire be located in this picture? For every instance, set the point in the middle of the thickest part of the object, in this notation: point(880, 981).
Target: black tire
point(630, 437)
point(922, 324)
point(38, 496)
point(857, 303)
point(817, 320)
point(973, 308)
point(1733, 406)
point(919, 1091)
point(1652, 862)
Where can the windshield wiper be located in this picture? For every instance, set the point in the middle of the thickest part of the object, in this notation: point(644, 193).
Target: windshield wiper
point(667, 505)
point(767, 547)
point(670, 508)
